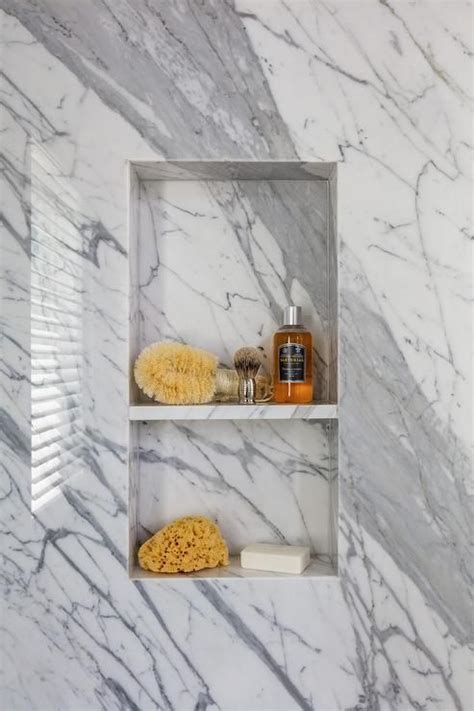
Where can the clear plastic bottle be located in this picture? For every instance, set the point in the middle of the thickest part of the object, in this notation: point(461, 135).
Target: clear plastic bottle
point(293, 359)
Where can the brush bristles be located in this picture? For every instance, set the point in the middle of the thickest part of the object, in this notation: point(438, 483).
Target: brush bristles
point(247, 362)
point(176, 374)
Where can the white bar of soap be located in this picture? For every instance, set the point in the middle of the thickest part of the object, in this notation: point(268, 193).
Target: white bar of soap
point(275, 558)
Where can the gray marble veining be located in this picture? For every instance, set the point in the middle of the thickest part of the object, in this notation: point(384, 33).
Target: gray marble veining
point(262, 481)
point(219, 249)
point(218, 260)
point(383, 89)
point(233, 170)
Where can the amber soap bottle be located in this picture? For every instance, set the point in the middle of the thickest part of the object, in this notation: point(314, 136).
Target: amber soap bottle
point(293, 359)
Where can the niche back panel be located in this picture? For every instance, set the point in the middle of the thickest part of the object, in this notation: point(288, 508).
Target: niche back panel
point(217, 260)
point(217, 251)
point(264, 481)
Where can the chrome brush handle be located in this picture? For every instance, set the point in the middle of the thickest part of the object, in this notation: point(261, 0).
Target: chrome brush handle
point(247, 389)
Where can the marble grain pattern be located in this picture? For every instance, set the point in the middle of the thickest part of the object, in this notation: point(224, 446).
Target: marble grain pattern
point(95, 84)
point(233, 411)
point(236, 170)
point(218, 261)
point(263, 481)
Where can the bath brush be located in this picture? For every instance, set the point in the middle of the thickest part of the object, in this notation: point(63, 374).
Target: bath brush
point(178, 374)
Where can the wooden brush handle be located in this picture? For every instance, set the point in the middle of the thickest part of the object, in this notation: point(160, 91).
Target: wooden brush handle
point(227, 386)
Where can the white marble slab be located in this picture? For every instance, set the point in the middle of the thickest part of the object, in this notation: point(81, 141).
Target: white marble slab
point(266, 481)
point(319, 567)
point(218, 260)
point(233, 170)
point(233, 411)
point(385, 90)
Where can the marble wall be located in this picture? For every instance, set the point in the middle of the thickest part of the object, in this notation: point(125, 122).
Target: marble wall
point(383, 88)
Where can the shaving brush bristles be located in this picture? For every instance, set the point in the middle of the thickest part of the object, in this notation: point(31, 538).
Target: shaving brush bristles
point(247, 362)
point(176, 374)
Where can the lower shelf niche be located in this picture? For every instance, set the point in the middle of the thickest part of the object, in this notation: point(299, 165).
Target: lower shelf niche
point(262, 481)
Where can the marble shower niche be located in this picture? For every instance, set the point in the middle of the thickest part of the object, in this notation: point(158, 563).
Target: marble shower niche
point(217, 250)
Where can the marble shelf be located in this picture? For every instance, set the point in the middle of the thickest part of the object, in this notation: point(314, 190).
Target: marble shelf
point(233, 411)
point(319, 567)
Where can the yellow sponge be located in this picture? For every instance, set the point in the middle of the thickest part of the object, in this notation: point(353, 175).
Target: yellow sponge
point(184, 545)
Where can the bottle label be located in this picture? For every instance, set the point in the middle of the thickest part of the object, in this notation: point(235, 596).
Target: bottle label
point(292, 363)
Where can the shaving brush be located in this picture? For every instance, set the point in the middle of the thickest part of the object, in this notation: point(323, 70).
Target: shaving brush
point(247, 364)
point(177, 374)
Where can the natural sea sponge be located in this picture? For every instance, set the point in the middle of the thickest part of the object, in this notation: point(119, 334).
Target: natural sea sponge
point(176, 374)
point(183, 546)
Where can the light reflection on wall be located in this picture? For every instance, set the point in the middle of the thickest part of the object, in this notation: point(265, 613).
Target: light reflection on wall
point(56, 329)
